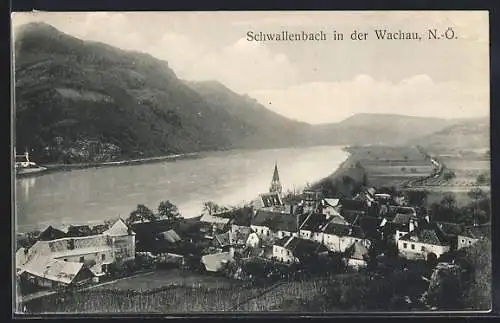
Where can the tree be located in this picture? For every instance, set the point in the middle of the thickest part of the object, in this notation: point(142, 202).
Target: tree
point(417, 197)
point(168, 210)
point(449, 201)
point(476, 194)
point(211, 207)
point(141, 214)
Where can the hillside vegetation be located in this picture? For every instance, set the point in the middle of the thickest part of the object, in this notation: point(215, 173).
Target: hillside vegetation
point(86, 101)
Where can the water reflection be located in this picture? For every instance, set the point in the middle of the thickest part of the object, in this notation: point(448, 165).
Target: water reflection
point(232, 177)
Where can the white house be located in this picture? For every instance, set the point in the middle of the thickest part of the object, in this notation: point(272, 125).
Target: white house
point(274, 225)
point(338, 237)
point(422, 243)
point(294, 250)
point(311, 227)
point(117, 244)
point(403, 224)
point(330, 207)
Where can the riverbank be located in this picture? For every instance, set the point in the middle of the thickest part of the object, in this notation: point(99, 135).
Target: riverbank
point(51, 168)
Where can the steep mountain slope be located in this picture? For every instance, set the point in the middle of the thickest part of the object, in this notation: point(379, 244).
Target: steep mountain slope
point(387, 129)
point(70, 89)
point(467, 134)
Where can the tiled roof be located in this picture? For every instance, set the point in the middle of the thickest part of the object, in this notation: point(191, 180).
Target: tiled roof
point(344, 230)
point(119, 228)
point(353, 205)
point(270, 199)
point(425, 235)
point(214, 219)
point(314, 222)
point(357, 251)
point(170, 236)
point(277, 221)
point(331, 202)
point(53, 269)
point(51, 233)
point(214, 262)
point(402, 219)
point(300, 247)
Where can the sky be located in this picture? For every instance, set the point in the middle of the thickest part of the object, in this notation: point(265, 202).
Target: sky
point(315, 82)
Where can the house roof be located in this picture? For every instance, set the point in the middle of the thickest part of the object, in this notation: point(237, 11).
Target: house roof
point(353, 205)
point(357, 251)
point(371, 191)
point(478, 232)
point(331, 202)
point(351, 218)
point(51, 233)
point(214, 262)
point(79, 231)
point(299, 247)
point(402, 219)
point(270, 199)
point(242, 216)
point(402, 209)
point(240, 235)
point(450, 228)
point(342, 230)
point(214, 219)
point(53, 269)
point(314, 222)
point(119, 228)
point(277, 221)
point(170, 236)
point(21, 257)
point(369, 223)
point(426, 235)
point(339, 219)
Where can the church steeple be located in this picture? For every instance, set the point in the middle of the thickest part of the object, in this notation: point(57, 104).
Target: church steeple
point(275, 183)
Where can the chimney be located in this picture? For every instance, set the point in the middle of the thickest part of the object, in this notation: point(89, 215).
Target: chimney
point(427, 219)
point(411, 226)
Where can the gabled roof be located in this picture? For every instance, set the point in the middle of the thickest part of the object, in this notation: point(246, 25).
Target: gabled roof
point(353, 205)
point(357, 251)
point(402, 219)
point(240, 235)
point(299, 247)
point(402, 209)
point(449, 228)
point(53, 269)
point(341, 230)
point(331, 202)
point(339, 219)
point(119, 228)
point(314, 222)
point(369, 223)
point(21, 257)
point(214, 219)
point(426, 235)
point(215, 262)
point(223, 239)
point(278, 221)
point(79, 231)
point(241, 216)
point(51, 233)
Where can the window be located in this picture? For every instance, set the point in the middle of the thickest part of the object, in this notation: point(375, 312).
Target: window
point(412, 246)
point(463, 240)
point(82, 259)
point(103, 257)
point(470, 242)
point(267, 233)
point(65, 259)
point(422, 248)
point(401, 234)
point(405, 245)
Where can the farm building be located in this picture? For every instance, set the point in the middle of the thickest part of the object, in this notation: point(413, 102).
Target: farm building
point(295, 250)
point(339, 237)
point(423, 243)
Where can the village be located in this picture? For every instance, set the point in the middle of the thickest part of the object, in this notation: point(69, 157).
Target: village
point(276, 237)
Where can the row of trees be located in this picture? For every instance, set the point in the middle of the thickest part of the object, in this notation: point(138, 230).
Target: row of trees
point(165, 210)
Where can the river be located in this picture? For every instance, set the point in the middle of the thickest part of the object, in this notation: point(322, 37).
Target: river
point(87, 196)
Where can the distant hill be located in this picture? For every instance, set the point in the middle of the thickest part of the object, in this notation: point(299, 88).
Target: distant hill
point(68, 90)
point(467, 134)
point(383, 129)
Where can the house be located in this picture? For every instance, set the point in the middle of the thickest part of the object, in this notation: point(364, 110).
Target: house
point(214, 224)
point(290, 250)
point(330, 207)
point(423, 243)
point(79, 231)
point(350, 207)
point(117, 244)
point(53, 273)
point(216, 262)
point(339, 237)
point(356, 256)
point(312, 225)
point(269, 225)
point(403, 224)
point(450, 231)
point(403, 210)
point(311, 200)
point(468, 237)
point(51, 233)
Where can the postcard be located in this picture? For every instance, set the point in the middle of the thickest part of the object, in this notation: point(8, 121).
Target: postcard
point(261, 161)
